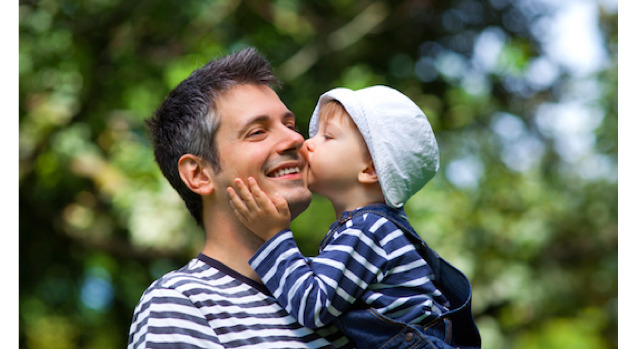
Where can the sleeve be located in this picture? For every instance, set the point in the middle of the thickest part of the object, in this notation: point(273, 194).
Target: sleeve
point(165, 318)
point(317, 291)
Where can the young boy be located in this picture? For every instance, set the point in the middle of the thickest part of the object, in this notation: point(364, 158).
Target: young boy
point(370, 150)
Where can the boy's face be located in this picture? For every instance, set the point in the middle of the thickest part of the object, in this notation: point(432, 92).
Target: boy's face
point(336, 154)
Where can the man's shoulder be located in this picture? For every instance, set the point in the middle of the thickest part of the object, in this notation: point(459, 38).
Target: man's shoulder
point(196, 287)
point(195, 276)
point(170, 310)
point(193, 271)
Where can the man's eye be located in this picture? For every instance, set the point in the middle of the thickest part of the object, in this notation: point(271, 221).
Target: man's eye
point(255, 133)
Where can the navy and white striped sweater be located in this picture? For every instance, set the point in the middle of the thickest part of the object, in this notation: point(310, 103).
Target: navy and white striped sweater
point(367, 258)
point(208, 305)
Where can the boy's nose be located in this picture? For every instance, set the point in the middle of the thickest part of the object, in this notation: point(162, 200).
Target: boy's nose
point(309, 144)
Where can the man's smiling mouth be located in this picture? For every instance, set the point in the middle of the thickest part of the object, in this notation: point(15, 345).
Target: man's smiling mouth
point(283, 172)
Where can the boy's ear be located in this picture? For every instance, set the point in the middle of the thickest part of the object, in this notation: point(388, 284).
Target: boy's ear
point(368, 175)
point(194, 173)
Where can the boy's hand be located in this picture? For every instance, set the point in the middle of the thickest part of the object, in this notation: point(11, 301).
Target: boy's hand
point(265, 217)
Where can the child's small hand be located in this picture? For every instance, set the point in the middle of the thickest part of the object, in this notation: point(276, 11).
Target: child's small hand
point(265, 217)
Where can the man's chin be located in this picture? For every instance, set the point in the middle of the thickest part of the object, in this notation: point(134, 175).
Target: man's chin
point(299, 202)
point(295, 192)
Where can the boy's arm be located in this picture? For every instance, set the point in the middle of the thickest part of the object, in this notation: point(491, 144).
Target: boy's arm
point(316, 292)
point(256, 211)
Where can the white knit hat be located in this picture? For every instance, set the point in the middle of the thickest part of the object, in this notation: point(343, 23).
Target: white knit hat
point(397, 133)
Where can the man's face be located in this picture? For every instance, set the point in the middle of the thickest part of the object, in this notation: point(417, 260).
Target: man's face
point(257, 138)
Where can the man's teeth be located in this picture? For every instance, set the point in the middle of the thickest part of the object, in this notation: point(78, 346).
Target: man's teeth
point(284, 171)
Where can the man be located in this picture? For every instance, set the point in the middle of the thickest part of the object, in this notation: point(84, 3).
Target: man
point(225, 122)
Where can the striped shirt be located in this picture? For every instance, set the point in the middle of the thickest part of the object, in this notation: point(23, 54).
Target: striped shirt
point(208, 305)
point(368, 258)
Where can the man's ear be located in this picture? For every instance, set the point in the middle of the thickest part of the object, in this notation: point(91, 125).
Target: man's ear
point(194, 173)
point(368, 175)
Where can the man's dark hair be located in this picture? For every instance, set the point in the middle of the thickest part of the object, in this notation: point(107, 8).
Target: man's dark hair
point(187, 121)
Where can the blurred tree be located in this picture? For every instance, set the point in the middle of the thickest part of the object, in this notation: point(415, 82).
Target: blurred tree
point(525, 202)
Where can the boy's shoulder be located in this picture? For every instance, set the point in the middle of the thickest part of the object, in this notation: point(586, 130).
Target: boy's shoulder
point(379, 220)
point(376, 213)
point(374, 219)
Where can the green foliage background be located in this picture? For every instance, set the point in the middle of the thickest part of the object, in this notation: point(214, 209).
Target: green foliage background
point(531, 222)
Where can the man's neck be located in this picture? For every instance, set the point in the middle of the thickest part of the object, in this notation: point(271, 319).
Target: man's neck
point(231, 243)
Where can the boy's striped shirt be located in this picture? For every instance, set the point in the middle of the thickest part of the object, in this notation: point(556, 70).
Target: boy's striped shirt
point(368, 258)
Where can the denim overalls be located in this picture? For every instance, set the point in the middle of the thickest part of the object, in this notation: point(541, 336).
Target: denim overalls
point(455, 329)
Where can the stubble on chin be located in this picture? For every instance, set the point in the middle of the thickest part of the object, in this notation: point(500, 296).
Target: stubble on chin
point(298, 200)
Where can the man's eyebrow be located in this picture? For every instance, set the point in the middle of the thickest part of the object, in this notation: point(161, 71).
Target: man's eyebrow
point(263, 119)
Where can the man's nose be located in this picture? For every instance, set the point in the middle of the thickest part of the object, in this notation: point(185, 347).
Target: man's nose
point(291, 141)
